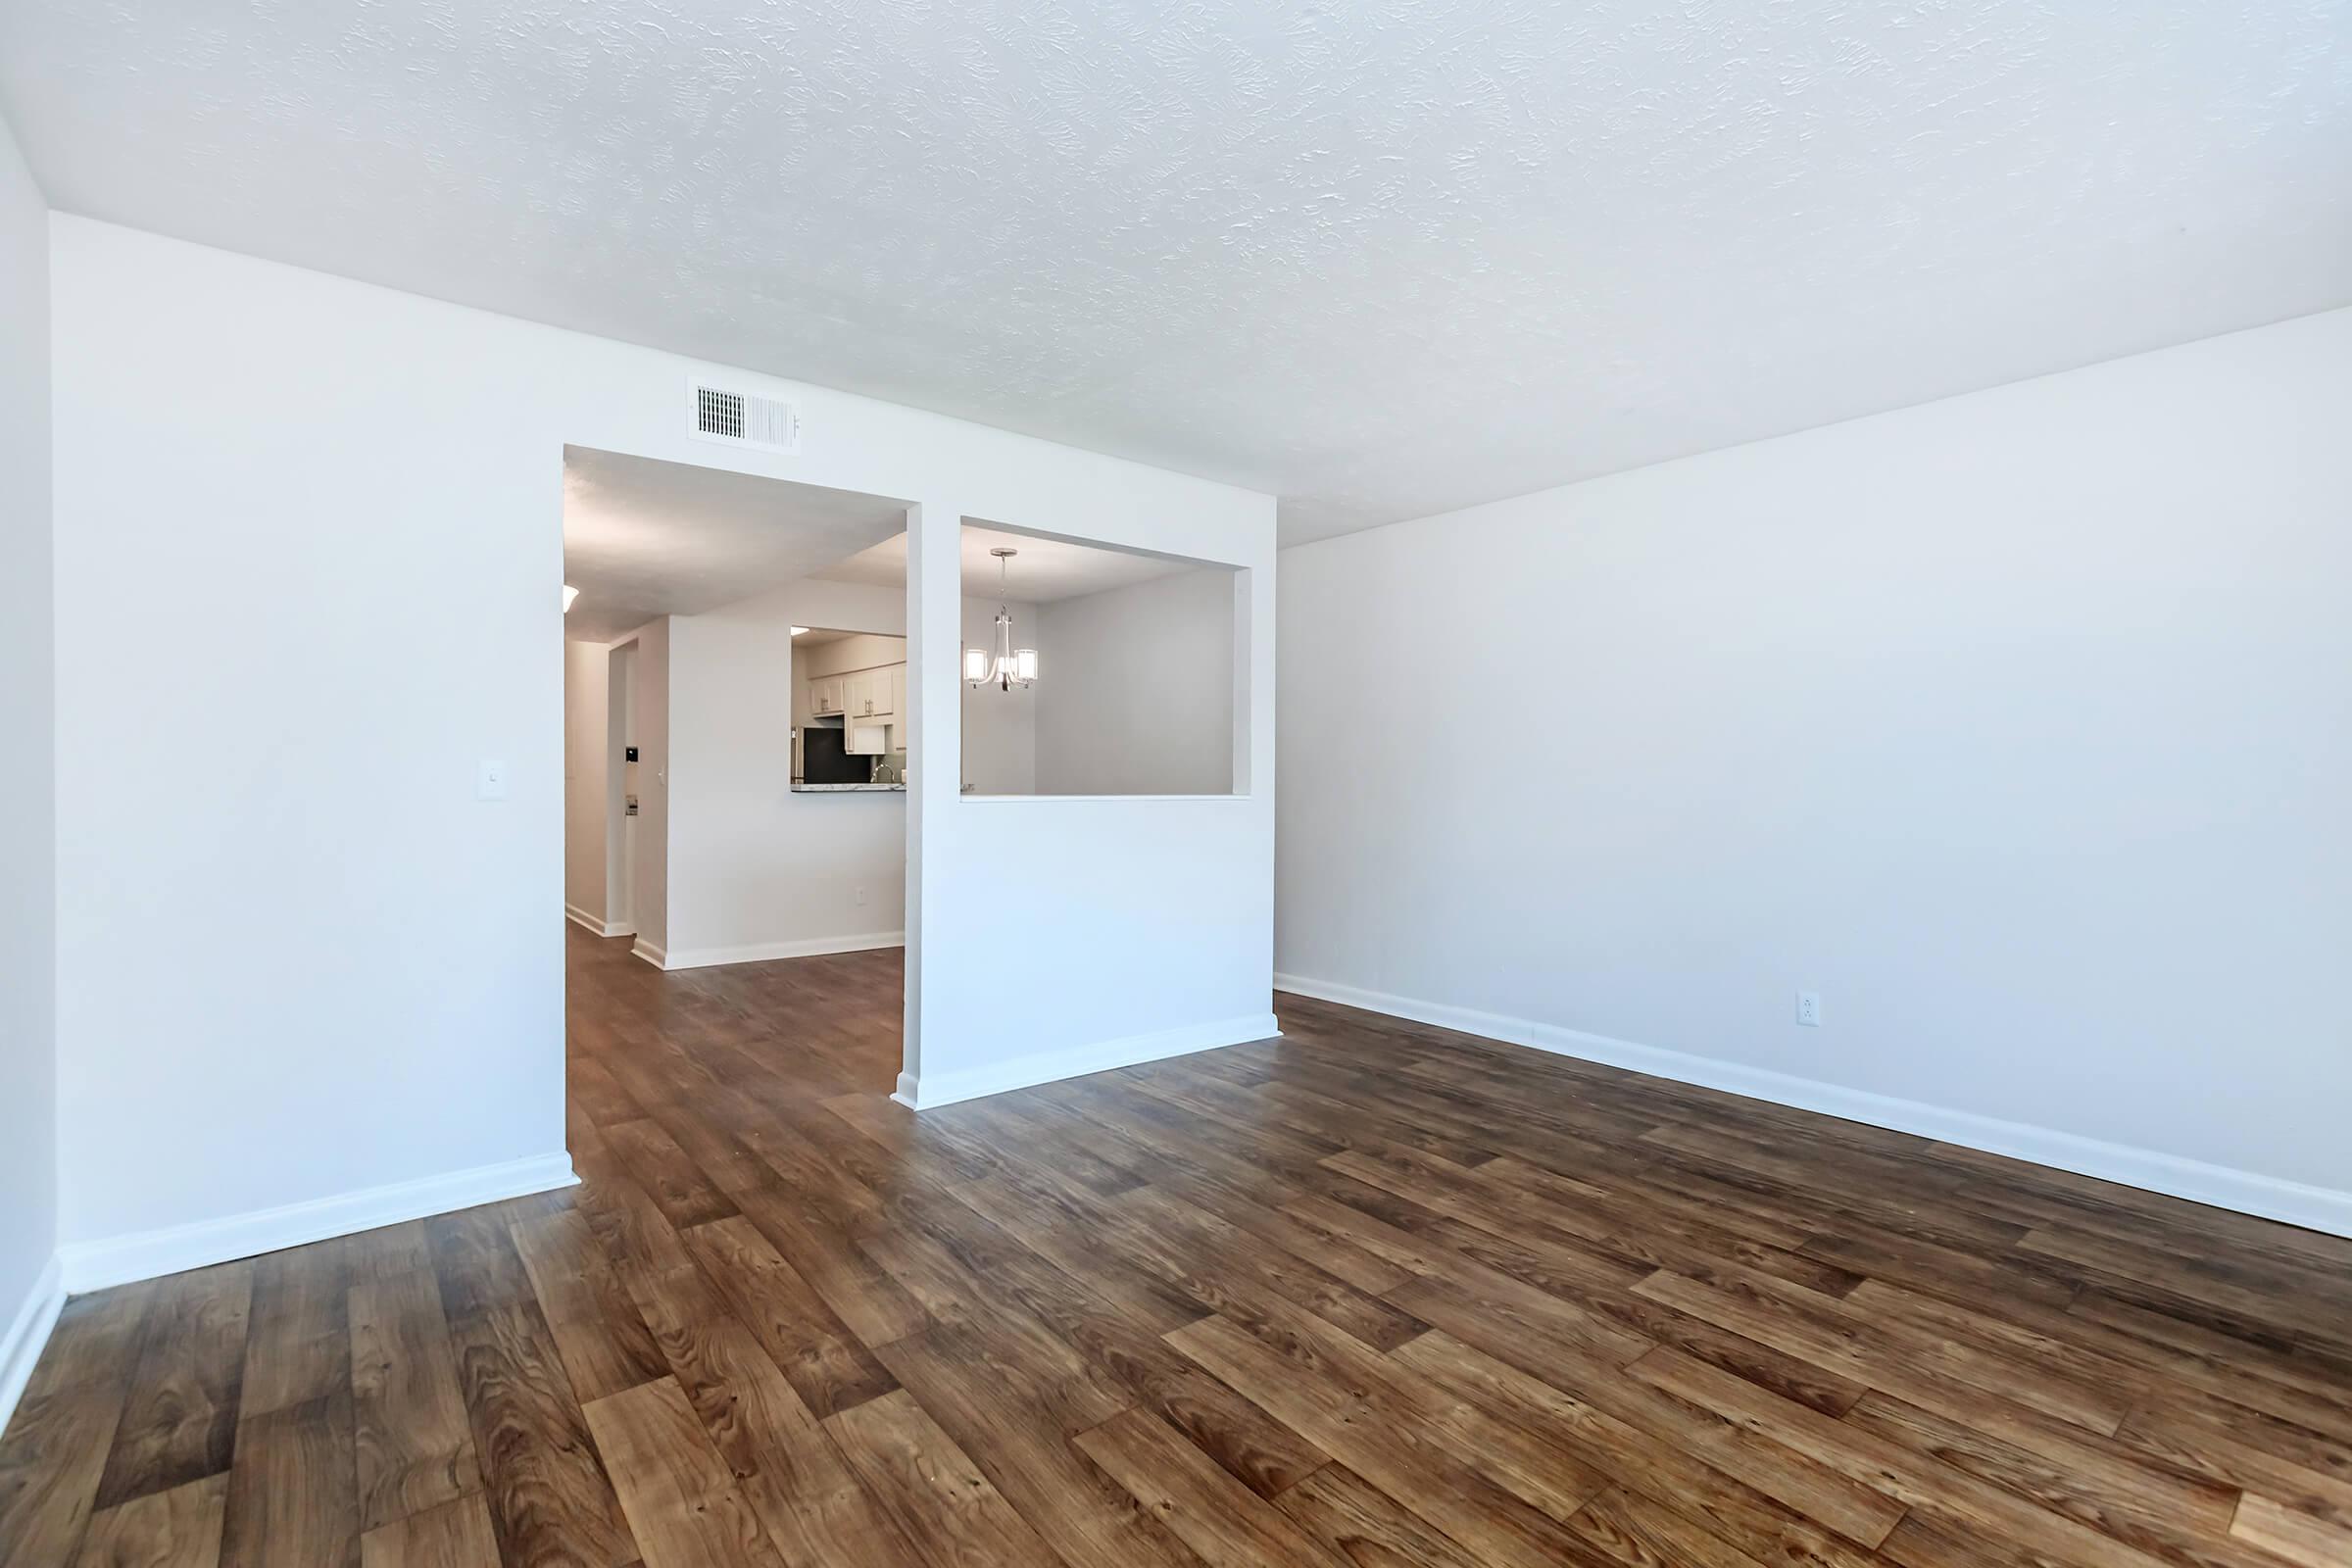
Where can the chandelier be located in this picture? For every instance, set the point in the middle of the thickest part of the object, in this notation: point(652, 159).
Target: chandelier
point(1005, 664)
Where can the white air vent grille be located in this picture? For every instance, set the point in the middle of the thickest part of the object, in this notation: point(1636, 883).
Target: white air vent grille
point(744, 418)
point(718, 413)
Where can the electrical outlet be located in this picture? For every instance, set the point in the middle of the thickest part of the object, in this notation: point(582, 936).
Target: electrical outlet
point(1808, 1008)
point(861, 897)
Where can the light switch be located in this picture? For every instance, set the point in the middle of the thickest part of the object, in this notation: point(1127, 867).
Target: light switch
point(492, 783)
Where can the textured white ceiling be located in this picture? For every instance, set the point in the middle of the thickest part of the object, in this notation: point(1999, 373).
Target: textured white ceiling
point(645, 538)
point(1045, 571)
point(1381, 256)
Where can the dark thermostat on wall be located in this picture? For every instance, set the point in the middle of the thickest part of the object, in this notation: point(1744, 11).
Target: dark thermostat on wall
point(632, 755)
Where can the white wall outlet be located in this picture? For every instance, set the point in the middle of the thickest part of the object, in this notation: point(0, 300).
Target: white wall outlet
point(491, 783)
point(1808, 1008)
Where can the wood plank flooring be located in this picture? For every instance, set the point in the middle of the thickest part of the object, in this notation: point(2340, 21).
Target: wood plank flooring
point(1374, 1296)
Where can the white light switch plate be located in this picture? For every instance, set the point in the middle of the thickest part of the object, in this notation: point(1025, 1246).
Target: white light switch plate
point(491, 785)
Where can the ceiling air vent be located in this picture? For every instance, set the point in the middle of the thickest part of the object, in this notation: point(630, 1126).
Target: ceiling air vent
point(743, 418)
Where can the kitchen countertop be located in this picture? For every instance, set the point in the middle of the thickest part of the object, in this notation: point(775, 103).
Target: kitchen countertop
point(848, 789)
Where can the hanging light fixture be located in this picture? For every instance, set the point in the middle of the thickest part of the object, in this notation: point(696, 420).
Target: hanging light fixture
point(1004, 663)
point(569, 593)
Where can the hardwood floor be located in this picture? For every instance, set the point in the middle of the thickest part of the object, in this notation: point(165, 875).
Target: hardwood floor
point(1374, 1294)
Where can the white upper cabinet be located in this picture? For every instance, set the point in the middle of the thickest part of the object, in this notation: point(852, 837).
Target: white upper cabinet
point(877, 693)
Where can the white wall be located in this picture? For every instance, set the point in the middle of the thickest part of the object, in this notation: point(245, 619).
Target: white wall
point(2018, 725)
point(1000, 726)
point(278, 818)
point(1127, 946)
point(28, 779)
point(1141, 699)
point(586, 703)
point(866, 651)
point(757, 871)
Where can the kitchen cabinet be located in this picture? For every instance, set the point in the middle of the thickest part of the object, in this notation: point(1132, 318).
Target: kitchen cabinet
point(877, 693)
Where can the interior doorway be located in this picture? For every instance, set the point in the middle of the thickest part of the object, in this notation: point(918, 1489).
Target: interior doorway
point(754, 744)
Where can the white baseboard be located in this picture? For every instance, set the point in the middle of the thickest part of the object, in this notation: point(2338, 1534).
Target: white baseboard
point(650, 954)
point(930, 1092)
point(120, 1260)
point(28, 1333)
point(597, 927)
point(2318, 1208)
point(762, 951)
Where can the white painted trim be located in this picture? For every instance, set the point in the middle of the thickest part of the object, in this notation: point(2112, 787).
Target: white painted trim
point(995, 800)
point(652, 954)
point(120, 1260)
point(1076, 1061)
point(27, 1334)
point(2318, 1209)
point(762, 951)
point(596, 927)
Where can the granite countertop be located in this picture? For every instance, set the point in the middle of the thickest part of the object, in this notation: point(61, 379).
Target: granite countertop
point(799, 788)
